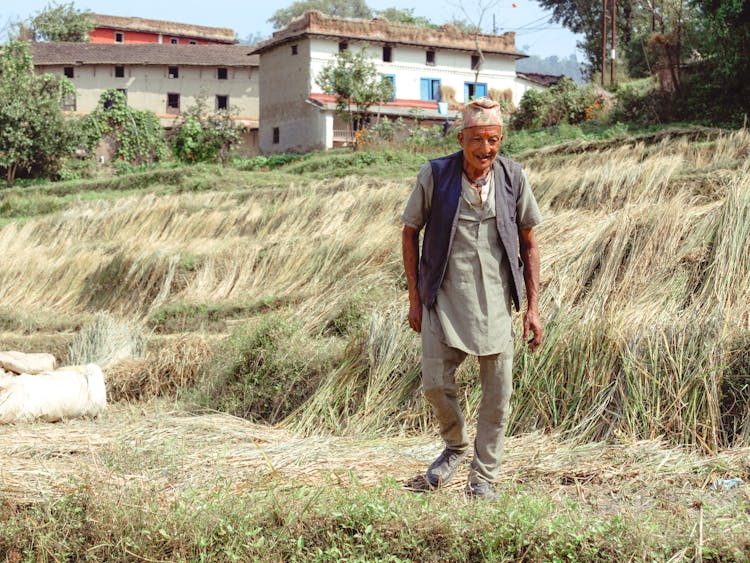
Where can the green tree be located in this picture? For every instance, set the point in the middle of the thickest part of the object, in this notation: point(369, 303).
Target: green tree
point(61, 22)
point(637, 22)
point(34, 134)
point(137, 134)
point(406, 15)
point(338, 8)
point(204, 136)
point(719, 88)
point(355, 81)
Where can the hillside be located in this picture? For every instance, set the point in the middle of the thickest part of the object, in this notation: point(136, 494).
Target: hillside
point(278, 297)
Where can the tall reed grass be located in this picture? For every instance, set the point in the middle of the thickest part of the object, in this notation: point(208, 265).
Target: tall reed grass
point(645, 289)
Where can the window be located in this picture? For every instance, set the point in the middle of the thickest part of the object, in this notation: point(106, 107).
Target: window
point(173, 103)
point(294, 49)
point(387, 54)
point(276, 135)
point(69, 102)
point(119, 72)
point(391, 79)
point(343, 46)
point(173, 72)
point(429, 57)
point(429, 89)
point(69, 72)
point(475, 62)
point(173, 40)
point(222, 73)
point(473, 90)
point(222, 102)
point(119, 37)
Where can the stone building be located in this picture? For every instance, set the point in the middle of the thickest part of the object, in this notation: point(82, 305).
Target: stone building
point(165, 79)
point(433, 71)
point(131, 30)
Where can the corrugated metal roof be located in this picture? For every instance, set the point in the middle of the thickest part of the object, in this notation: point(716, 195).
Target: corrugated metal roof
point(68, 53)
point(166, 27)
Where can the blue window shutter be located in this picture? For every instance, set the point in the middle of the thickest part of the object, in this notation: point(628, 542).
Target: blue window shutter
point(466, 92)
point(424, 88)
point(481, 90)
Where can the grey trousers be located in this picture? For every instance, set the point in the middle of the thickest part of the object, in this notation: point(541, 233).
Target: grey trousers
point(439, 365)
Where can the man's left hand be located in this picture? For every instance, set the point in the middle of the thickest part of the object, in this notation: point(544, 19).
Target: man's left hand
point(532, 323)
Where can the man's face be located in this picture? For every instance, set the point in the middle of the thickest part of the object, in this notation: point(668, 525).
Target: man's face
point(480, 145)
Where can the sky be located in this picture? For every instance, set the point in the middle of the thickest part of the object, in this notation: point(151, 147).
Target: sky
point(535, 35)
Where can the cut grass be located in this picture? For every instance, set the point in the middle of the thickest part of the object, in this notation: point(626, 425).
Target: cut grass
point(149, 483)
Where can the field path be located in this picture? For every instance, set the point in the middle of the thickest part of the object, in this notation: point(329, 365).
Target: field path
point(173, 451)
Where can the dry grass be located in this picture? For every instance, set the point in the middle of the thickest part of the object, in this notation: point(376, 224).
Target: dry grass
point(173, 451)
point(164, 372)
point(645, 286)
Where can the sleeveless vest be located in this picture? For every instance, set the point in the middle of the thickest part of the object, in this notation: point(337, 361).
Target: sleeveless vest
point(441, 226)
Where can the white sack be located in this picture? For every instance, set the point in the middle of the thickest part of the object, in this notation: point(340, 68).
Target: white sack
point(69, 392)
point(20, 362)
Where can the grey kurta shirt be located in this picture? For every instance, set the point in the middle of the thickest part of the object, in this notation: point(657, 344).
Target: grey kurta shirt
point(472, 311)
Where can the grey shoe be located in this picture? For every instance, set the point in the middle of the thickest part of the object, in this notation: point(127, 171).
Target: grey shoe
point(441, 470)
point(482, 490)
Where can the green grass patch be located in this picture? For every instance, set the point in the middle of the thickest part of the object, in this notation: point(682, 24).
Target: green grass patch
point(206, 317)
point(266, 369)
point(224, 521)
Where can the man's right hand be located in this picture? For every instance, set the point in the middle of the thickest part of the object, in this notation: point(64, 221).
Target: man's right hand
point(415, 317)
point(410, 248)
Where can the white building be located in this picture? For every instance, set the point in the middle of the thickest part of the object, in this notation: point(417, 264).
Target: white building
point(425, 65)
point(163, 78)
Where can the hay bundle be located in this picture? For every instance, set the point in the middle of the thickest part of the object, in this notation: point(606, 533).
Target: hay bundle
point(162, 373)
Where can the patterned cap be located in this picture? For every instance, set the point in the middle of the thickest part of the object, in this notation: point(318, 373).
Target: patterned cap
point(482, 111)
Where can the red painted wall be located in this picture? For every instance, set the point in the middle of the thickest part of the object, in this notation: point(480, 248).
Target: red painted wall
point(107, 35)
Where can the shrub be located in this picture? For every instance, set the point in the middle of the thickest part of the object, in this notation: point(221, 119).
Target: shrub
point(269, 369)
point(137, 134)
point(203, 136)
point(565, 102)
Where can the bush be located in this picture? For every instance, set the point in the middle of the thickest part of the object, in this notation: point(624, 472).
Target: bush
point(261, 162)
point(138, 135)
point(270, 368)
point(565, 102)
point(203, 136)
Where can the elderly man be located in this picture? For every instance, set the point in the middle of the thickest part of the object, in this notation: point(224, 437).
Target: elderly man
point(478, 213)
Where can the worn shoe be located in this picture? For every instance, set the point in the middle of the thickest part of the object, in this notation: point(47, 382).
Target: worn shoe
point(441, 470)
point(481, 490)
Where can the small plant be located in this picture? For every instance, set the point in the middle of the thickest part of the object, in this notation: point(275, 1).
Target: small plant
point(204, 136)
point(106, 341)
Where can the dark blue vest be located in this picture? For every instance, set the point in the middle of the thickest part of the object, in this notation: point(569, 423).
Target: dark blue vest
point(443, 220)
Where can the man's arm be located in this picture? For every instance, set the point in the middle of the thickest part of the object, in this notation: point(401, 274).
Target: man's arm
point(532, 322)
point(410, 250)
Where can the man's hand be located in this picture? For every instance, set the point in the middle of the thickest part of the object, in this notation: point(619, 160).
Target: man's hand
point(530, 256)
point(532, 323)
point(410, 248)
point(415, 317)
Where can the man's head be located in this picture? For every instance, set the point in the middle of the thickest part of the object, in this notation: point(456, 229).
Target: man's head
point(481, 134)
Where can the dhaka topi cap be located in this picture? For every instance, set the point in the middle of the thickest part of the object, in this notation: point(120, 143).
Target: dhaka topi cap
point(482, 111)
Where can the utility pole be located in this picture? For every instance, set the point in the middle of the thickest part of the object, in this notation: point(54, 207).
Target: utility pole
point(604, 38)
point(613, 57)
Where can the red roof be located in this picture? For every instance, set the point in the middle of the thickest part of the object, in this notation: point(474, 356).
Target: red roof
point(397, 103)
